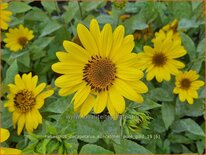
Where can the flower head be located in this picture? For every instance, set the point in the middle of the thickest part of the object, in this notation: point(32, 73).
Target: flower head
point(172, 27)
point(4, 135)
point(25, 100)
point(159, 61)
point(187, 86)
point(4, 16)
point(102, 72)
point(17, 38)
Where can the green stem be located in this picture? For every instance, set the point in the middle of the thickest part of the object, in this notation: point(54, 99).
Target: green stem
point(80, 9)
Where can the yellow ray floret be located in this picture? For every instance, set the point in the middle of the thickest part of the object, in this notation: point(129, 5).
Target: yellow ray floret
point(17, 38)
point(101, 72)
point(24, 101)
point(187, 84)
point(4, 135)
point(5, 16)
point(159, 61)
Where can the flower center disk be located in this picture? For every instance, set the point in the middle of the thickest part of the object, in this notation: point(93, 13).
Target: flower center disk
point(185, 83)
point(99, 73)
point(22, 41)
point(24, 100)
point(159, 59)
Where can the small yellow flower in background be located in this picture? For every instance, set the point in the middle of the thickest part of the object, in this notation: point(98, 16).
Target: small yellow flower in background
point(17, 38)
point(144, 34)
point(166, 29)
point(187, 86)
point(4, 16)
point(159, 61)
point(24, 101)
point(119, 3)
point(102, 72)
point(4, 135)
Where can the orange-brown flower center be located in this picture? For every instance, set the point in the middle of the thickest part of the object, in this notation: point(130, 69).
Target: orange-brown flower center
point(159, 59)
point(185, 83)
point(24, 101)
point(22, 41)
point(99, 73)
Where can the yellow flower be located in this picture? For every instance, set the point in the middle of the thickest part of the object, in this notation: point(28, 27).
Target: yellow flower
point(159, 61)
point(187, 86)
point(3, 137)
point(102, 72)
point(24, 101)
point(17, 38)
point(4, 16)
point(166, 29)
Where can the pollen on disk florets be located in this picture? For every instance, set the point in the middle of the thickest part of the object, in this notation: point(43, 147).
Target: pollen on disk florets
point(24, 101)
point(99, 73)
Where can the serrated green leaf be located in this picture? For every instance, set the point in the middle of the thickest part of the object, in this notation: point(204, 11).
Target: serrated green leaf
point(11, 72)
point(168, 113)
point(50, 6)
point(130, 147)
point(149, 104)
point(187, 125)
point(50, 27)
point(160, 94)
point(189, 45)
point(94, 149)
point(19, 7)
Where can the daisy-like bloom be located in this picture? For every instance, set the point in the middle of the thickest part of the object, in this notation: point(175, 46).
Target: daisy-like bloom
point(166, 29)
point(102, 72)
point(159, 61)
point(5, 15)
point(24, 101)
point(17, 38)
point(4, 135)
point(187, 86)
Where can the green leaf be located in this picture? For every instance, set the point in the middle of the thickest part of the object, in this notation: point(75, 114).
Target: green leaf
point(11, 72)
point(94, 149)
point(111, 127)
point(201, 47)
point(149, 104)
point(189, 45)
point(181, 9)
point(187, 24)
point(92, 5)
point(194, 110)
point(6, 117)
point(187, 125)
point(50, 6)
point(128, 146)
point(71, 11)
point(89, 128)
point(19, 7)
point(160, 94)
point(36, 15)
point(200, 146)
point(24, 59)
point(168, 113)
point(179, 138)
point(50, 27)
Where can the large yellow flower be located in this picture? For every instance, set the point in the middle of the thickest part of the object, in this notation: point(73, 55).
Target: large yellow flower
point(159, 61)
point(187, 86)
point(4, 16)
point(102, 72)
point(4, 135)
point(25, 100)
point(17, 38)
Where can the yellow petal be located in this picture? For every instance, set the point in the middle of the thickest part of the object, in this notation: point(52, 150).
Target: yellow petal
point(10, 151)
point(112, 110)
point(80, 96)
point(4, 134)
point(117, 100)
point(39, 88)
point(95, 31)
point(87, 106)
point(127, 91)
point(68, 80)
point(101, 102)
point(87, 39)
point(15, 117)
point(21, 123)
point(19, 82)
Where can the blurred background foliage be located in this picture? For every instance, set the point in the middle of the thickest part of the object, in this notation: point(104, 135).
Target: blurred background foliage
point(175, 127)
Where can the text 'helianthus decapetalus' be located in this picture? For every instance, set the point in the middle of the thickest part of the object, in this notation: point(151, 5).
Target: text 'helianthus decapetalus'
point(102, 72)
